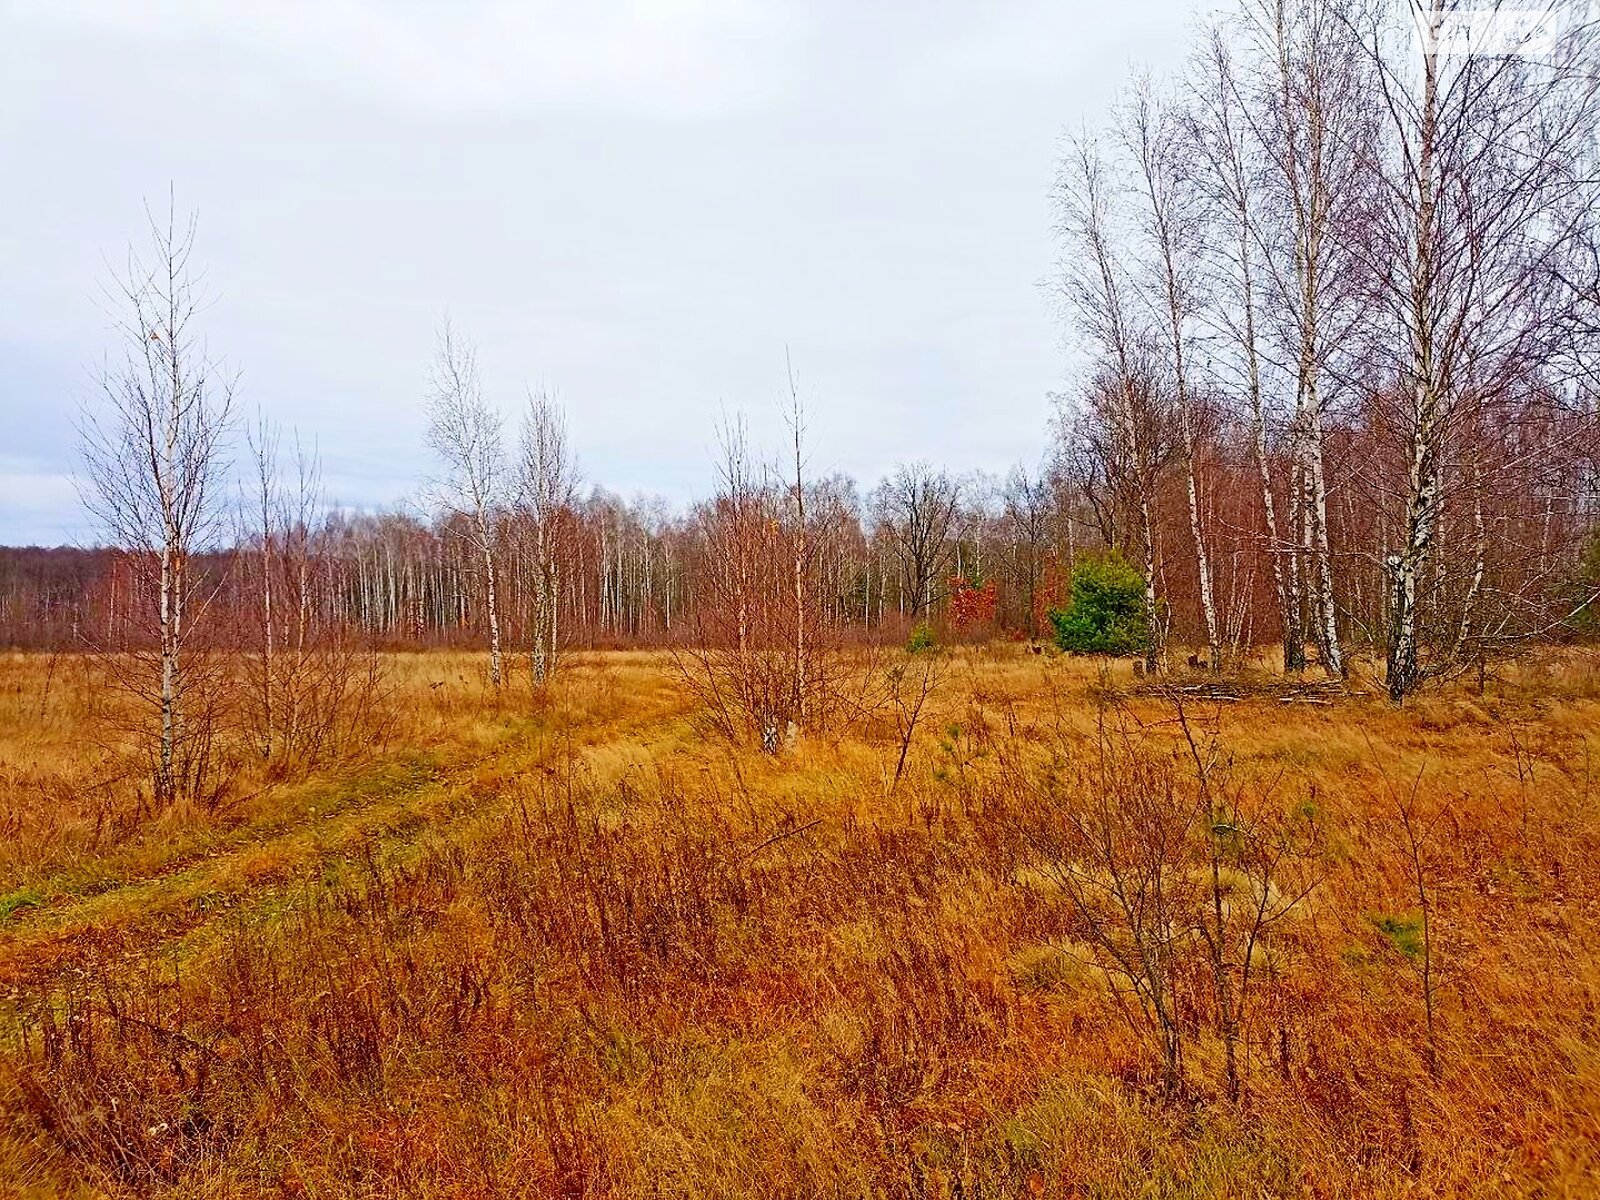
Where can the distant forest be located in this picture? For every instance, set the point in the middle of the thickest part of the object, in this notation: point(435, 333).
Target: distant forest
point(1337, 289)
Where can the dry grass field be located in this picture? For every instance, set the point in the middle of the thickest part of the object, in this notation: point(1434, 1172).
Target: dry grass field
point(579, 947)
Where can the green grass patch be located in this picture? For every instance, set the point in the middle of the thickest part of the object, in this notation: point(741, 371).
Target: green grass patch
point(14, 902)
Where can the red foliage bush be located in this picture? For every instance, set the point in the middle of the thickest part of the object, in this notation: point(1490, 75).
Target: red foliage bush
point(972, 605)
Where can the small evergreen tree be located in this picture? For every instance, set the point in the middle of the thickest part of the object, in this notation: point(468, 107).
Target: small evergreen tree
point(1578, 596)
point(1106, 612)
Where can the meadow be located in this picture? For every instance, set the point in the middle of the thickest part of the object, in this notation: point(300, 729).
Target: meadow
point(1097, 939)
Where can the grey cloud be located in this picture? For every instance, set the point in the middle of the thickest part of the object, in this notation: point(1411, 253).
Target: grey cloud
point(640, 205)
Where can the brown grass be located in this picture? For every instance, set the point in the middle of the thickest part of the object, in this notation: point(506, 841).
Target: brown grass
point(574, 948)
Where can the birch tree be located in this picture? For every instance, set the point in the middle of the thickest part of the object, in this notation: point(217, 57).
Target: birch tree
point(1170, 220)
point(1230, 164)
point(467, 436)
point(1483, 197)
point(1095, 290)
point(1310, 117)
point(265, 506)
point(548, 484)
point(803, 616)
point(155, 469)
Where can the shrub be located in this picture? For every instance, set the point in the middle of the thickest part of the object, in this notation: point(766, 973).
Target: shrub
point(921, 638)
point(1106, 613)
point(972, 605)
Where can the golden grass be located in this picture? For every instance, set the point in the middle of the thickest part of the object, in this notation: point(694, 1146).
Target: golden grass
point(573, 947)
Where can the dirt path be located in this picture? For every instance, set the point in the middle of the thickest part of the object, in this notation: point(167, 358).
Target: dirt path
point(382, 807)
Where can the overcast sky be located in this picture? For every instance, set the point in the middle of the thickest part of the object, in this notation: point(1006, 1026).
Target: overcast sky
point(638, 205)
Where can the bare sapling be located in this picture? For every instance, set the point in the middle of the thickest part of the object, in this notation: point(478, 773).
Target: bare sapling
point(467, 436)
point(547, 485)
point(1116, 836)
point(315, 686)
point(759, 648)
point(155, 465)
point(910, 684)
point(1412, 937)
point(1259, 865)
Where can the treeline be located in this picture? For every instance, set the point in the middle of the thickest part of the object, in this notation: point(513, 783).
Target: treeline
point(1338, 285)
point(404, 580)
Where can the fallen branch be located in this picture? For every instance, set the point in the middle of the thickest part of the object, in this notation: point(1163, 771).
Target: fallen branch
point(778, 837)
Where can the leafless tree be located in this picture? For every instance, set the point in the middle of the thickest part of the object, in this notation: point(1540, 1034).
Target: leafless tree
point(758, 648)
point(265, 506)
point(1118, 839)
point(315, 690)
point(804, 619)
point(1312, 120)
point(1171, 228)
point(466, 434)
point(547, 485)
point(155, 455)
point(1124, 403)
point(917, 507)
point(1482, 196)
point(737, 659)
point(1030, 506)
point(1230, 163)
point(909, 686)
